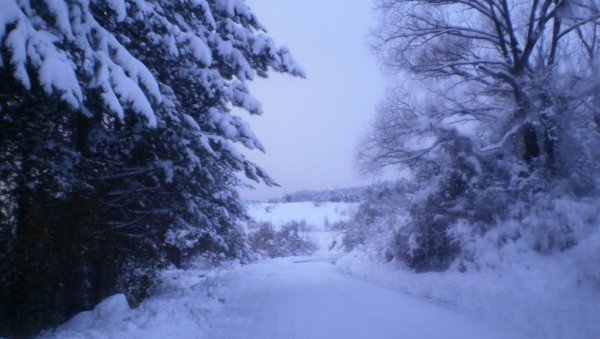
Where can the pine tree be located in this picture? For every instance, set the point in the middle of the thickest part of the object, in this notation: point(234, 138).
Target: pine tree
point(118, 145)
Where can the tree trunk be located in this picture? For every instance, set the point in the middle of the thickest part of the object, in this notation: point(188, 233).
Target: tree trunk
point(530, 143)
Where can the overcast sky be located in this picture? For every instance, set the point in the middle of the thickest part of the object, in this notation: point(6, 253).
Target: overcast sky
point(310, 127)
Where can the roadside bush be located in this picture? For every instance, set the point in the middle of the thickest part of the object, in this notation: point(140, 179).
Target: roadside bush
point(381, 213)
point(481, 202)
point(289, 240)
point(549, 225)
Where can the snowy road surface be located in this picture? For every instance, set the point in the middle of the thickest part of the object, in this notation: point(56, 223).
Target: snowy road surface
point(310, 299)
point(285, 298)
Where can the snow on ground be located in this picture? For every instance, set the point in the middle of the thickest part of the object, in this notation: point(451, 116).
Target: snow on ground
point(335, 295)
point(189, 300)
point(309, 298)
point(318, 215)
point(180, 309)
point(541, 295)
point(285, 298)
point(536, 294)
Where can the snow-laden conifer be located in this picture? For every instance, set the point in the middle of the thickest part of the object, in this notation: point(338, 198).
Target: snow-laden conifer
point(121, 122)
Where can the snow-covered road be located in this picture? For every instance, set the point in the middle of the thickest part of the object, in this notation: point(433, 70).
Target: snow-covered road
point(311, 299)
point(285, 298)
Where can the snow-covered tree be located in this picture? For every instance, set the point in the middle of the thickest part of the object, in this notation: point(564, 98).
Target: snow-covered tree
point(118, 144)
point(496, 103)
point(503, 69)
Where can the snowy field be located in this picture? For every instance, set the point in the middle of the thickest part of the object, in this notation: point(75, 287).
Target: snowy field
point(318, 217)
point(335, 295)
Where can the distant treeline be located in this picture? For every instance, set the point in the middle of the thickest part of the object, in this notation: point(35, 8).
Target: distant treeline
point(348, 195)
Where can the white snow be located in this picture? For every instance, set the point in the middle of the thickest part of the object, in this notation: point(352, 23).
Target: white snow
point(180, 309)
point(318, 217)
point(16, 42)
point(57, 72)
point(304, 298)
point(207, 13)
point(134, 68)
point(534, 296)
point(33, 41)
point(60, 10)
point(286, 298)
point(128, 92)
point(119, 7)
point(196, 47)
point(233, 7)
point(113, 307)
point(239, 95)
point(333, 295)
point(555, 296)
point(315, 214)
point(71, 53)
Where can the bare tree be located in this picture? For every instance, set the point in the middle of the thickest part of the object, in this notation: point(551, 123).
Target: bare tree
point(518, 72)
point(494, 110)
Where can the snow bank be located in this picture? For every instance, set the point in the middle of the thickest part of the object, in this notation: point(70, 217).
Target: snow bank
point(180, 309)
point(530, 293)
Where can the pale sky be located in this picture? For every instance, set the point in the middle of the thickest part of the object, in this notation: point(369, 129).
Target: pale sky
point(311, 127)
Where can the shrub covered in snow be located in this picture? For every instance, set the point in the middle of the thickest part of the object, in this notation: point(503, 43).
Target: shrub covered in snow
point(477, 206)
point(464, 203)
point(288, 240)
point(374, 221)
point(496, 121)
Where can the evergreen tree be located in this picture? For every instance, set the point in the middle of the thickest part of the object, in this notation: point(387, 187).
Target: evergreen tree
point(118, 145)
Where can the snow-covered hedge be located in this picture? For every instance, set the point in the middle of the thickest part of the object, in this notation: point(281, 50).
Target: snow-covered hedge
point(289, 240)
